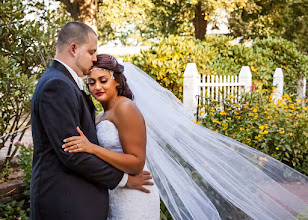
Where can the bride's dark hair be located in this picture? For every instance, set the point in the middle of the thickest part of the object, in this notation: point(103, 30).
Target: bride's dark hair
point(110, 63)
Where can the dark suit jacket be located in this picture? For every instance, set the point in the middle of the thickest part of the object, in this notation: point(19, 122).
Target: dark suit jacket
point(65, 185)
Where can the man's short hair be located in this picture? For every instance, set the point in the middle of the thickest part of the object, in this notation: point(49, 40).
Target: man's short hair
point(76, 32)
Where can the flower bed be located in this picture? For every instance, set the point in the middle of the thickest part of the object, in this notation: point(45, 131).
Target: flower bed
point(277, 129)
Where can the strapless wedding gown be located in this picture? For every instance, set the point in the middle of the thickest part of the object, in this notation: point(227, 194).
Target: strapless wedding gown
point(124, 203)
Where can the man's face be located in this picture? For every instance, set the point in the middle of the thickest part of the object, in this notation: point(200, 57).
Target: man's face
point(86, 55)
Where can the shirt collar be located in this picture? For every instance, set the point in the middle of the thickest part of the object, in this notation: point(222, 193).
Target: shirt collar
point(77, 79)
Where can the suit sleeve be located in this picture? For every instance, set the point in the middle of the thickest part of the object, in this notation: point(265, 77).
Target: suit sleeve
point(58, 108)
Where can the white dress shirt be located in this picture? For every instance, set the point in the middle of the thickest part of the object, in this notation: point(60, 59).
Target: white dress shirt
point(80, 84)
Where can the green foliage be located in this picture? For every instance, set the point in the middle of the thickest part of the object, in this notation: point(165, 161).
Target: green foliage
point(13, 210)
point(279, 130)
point(20, 209)
point(283, 18)
point(166, 60)
point(26, 50)
point(277, 52)
point(6, 171)
point(164, 213)
point(134, 22)
point(25, 162)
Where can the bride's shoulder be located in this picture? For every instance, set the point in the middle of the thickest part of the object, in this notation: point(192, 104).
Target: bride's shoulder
point(126, 108)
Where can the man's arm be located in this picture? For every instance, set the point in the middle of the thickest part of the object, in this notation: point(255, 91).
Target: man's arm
point(58, 109)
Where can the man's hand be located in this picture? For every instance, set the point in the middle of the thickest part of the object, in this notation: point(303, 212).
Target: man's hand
point(137, 182)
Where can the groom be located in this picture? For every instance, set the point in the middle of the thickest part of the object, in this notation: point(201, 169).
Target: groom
point(64, 185)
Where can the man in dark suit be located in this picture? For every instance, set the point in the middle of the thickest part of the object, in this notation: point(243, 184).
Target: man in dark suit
point(63, 185)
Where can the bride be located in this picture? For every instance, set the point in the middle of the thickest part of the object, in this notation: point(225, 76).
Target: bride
point(199, 173)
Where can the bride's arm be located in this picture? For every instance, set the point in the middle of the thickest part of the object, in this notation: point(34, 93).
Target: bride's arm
point(132, 134)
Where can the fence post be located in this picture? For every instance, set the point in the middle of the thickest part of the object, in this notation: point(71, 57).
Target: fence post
point(190, 87)
point(245, 78)
point(301, 88)
point(278, 83)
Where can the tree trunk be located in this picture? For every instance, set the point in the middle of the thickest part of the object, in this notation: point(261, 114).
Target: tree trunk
point(199, 22)
point(83, 10)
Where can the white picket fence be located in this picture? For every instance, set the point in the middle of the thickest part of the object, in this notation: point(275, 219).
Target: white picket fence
point(218, 87)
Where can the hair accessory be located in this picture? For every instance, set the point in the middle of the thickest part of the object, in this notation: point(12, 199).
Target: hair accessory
point(110, 71)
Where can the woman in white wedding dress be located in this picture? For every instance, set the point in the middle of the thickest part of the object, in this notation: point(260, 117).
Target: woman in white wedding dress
point(200, 174)
point(121, 133)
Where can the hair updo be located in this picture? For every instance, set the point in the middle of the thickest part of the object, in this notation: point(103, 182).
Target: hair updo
point(110, 63)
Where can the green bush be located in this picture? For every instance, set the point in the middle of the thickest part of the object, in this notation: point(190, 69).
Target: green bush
point(217, 55)
point(26, 50)
point(25, 162)
point(279, 130)
point(13, 210)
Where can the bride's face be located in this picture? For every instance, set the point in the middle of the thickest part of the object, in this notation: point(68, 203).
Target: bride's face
point(102, 86)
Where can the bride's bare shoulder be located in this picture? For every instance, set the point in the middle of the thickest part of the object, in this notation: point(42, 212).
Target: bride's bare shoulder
point(128, 110)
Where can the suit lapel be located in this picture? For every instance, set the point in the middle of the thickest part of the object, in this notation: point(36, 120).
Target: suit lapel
point(62, 68)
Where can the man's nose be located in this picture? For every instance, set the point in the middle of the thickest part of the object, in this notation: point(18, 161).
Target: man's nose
point(94, 59)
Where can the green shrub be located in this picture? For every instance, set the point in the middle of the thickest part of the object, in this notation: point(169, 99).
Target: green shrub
point(25, 162)
point(279, 130)
point(166, 60)
point(27, 48)
point(13, 210)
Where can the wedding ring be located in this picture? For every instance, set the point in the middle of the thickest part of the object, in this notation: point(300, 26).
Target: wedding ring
point(76, 146)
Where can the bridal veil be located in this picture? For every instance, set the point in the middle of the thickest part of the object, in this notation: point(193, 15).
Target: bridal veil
point(202, 174)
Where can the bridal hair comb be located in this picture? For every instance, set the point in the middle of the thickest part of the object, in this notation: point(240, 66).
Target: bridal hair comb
point(110, 71)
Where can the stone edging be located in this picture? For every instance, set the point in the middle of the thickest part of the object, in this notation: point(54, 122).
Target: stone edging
point(11, 190)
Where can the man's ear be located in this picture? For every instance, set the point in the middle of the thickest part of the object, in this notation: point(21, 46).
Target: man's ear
point(73, 49)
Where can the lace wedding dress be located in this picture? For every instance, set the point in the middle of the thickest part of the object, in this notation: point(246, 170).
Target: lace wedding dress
point(127, 203)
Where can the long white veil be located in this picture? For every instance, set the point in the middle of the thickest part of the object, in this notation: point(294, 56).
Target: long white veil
point(202, 174)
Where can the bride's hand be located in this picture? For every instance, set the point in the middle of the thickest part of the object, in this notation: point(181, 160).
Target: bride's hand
point(80, 143)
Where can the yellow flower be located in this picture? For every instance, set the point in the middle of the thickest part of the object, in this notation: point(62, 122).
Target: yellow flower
point(201, 112)
point(217, 122)
point(229, 118)
point(238, 117)
point(199, 106)
point(213, 100)
point(251, 114)
point(266, 126)
point(226, 134)
point(291, 134)
point(255, 110)
point(233, 137)
point(248, 139)
point(261, 127)
point(223, 113)
point(212, 114)
point(253, 69)
point(263, 132)
point(212, 110)
point(245, 106)
point(197, 122)
point(229, 109)
point(217, 131)
point(242, 129)
point(281, 131)
point(256, 116)
point(277, 148)
point(232, 97)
